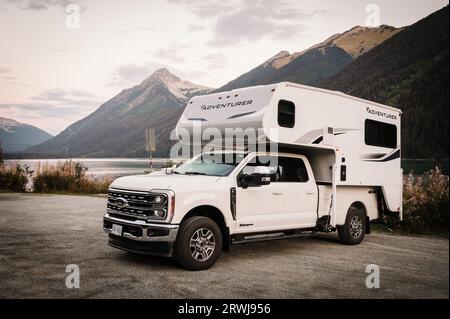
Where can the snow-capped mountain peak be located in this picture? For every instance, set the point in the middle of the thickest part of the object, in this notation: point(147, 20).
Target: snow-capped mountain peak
point(6, 123)
point(180, 88)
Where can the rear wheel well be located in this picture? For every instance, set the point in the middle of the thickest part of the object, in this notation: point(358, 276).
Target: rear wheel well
point(216, 215)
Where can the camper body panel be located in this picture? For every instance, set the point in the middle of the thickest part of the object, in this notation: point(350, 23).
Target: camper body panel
point(317, 111)
point(323, 118)
point(348, 195)
point(242, 109)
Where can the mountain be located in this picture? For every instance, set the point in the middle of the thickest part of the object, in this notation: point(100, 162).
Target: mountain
point(359, 40)
point(408, 71)
point(117, 127)
point(317, 63)
point(16, 137)
point(405, 68)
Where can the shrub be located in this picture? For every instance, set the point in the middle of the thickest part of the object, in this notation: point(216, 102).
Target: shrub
point(14, 177)
point(1, 154)
point(69, 177)
point(425, 202)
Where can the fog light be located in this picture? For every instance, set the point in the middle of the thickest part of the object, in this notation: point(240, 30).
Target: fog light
point(158, 213)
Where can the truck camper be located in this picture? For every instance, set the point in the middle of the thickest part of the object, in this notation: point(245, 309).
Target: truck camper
point(333, 165)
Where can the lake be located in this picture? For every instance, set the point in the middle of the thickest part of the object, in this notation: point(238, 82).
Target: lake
point(103, 166)
point(131, 166)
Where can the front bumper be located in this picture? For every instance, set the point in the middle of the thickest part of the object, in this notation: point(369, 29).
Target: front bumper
point(141, 237)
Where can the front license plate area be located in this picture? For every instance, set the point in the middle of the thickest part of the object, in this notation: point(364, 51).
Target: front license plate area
point(116, 230)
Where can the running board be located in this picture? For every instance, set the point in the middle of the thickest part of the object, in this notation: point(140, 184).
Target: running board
point(244, 239)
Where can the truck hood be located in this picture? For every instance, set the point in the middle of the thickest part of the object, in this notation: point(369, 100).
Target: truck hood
point(162, 181)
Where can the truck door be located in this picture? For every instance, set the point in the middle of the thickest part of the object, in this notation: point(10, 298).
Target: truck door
point(259, 208)
point(300, 194)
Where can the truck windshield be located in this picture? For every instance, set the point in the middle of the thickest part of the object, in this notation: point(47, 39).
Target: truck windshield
point(213, 164)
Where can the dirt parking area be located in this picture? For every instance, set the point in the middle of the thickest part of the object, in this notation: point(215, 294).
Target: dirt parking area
point(41, 234)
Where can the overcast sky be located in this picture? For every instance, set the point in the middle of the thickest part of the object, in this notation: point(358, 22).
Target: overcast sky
point(54, 72)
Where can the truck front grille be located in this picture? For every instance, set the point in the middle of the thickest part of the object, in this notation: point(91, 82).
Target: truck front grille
point(135, 205)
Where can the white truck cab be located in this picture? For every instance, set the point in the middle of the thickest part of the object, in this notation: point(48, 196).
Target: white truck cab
point(335, 171)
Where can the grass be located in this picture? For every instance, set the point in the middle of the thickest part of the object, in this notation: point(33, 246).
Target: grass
point(425, 202)
point(425, 206)
point(65, 177)
point(14, 177)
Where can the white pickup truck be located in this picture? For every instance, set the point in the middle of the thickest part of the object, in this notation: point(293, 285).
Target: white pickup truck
point(202, 207)
point(337, 168)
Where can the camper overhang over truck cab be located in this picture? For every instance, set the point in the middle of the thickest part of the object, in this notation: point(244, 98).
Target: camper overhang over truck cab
point(337, 168)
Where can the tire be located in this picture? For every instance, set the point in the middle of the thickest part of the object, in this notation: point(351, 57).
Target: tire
point(206, 239)
point(354, 229)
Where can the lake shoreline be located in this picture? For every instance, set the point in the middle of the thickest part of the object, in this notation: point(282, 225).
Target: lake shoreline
point(120, 166)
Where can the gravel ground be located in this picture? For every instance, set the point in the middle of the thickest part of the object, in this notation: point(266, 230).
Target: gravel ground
point(41, 234)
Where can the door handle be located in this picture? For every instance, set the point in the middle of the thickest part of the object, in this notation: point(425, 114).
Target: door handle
point(310, 192)
point(276, 193)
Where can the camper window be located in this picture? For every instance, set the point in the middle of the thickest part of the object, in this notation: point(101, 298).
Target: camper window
point(380, 134)
point(286, 114)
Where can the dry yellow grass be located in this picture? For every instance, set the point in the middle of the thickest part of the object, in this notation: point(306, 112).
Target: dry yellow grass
point(68, 176)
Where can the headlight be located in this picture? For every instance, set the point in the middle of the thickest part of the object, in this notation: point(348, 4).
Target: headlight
point(159, 199)
point(159, 205)
point(157, 214)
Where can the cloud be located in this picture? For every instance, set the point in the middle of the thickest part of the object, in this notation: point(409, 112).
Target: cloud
point(36, 5)
point(173, 53)
point(62, 48)
point(54, 109)
point(51, 117)
point(74, 96)
point(195, 28)
point(206, 9)
point(215, 60)
point(124, 31)
point(11, 82)
point(239, 21)
point(45, 111)
point(5, 70)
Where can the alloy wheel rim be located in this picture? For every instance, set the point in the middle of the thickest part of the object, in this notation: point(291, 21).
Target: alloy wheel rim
point(356, 227)
point(202, 244)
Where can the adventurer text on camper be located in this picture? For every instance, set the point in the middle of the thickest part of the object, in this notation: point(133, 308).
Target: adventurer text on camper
point(223, 105)
point(382, 114)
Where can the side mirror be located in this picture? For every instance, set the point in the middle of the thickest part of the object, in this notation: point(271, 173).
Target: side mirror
point(260, 177)
point(169, 170)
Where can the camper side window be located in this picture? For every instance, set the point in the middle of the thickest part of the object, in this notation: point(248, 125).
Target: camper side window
point(380, 134)
point(286, 114)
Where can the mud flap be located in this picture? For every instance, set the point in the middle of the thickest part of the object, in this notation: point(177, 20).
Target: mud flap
point(367, 225)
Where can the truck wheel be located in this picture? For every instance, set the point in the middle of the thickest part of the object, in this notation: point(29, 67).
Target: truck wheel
point(198, 244)
point(354, 229)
